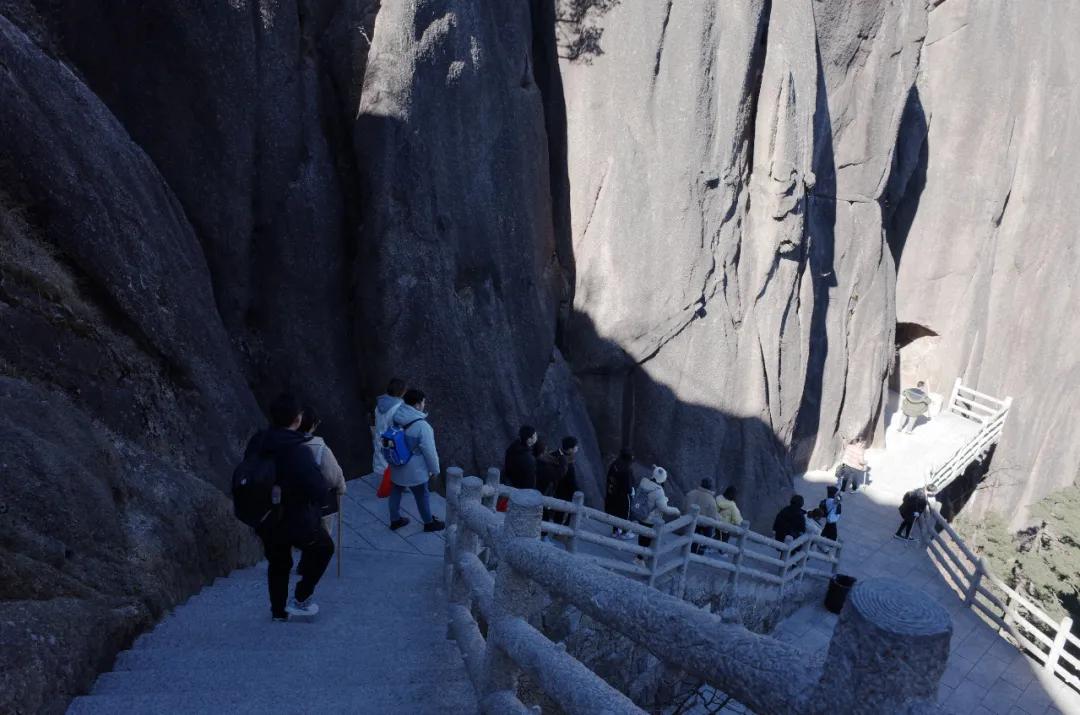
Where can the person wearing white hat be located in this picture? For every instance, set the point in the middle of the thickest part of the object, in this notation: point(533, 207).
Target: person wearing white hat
point(649, 504)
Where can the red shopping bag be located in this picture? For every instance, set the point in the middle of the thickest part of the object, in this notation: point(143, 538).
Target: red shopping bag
point(386, 485)
point(502, 504)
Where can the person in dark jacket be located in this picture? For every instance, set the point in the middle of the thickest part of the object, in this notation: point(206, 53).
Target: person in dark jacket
point(620, 485)
point(519, 464)
point(911, 508)
point(301, 492)
point(791, 520)
point(555, 476)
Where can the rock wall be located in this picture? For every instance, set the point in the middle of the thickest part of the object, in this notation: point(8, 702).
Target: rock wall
point(733, 283)
point(689, 227)
point(985, 230)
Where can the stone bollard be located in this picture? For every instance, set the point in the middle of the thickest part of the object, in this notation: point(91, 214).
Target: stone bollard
point(888, 651)
point(513, 592)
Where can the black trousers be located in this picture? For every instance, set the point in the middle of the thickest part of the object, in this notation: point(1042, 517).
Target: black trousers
point(829, 531)
point(314, 558)
point(644, 541)
point(707, 531)
point(905, 526)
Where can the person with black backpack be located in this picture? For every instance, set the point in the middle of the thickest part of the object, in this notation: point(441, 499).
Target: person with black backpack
point(410, 450)
point(279, 490)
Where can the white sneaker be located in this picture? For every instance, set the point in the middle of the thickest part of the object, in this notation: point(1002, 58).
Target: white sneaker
point(302, 608)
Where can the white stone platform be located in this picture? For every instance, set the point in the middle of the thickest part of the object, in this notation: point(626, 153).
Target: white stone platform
point(985, 674)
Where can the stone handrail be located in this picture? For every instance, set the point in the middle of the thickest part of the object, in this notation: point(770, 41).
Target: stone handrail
point(1016, 618)
point(886, 628)
point(748, 554)
point(990, 413)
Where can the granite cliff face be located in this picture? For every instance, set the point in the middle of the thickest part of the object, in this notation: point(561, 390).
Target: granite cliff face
point(985, 233)
point(728, 228)
point(691, 227)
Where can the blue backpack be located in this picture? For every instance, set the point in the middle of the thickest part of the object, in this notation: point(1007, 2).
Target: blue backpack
point(395, 447)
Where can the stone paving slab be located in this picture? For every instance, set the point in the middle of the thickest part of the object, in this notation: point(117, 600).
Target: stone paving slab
point(378, 644)
point(984, 674)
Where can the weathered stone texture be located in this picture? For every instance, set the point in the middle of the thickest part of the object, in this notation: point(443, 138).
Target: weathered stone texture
point(458, 279)
point(986, 231)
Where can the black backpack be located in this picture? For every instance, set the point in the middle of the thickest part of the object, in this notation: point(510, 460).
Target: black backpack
point(253, 485)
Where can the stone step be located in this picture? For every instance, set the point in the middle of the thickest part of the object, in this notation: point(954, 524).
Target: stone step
point(313, 634)
point(366, 660)
point(414, 672)
point(432, 699)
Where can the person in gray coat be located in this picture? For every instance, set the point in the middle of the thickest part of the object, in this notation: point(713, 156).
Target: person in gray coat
point(415, 474)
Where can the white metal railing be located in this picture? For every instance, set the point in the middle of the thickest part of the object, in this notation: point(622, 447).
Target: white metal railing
point(667, 560)
point(990, 413)
point(491, 616)
point(1016, 618)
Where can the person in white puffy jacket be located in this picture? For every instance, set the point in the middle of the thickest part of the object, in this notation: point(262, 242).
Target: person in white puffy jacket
point(652, 487)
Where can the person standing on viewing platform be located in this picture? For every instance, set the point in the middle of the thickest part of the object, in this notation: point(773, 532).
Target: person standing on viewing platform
point(620, 486)
point(422, 463)
point(704, 499)
point(567, 484)
point(519, 463)
point(852, 466)
point(916, 403)
point(911, 508)
point(385, 407)
point(727, 510)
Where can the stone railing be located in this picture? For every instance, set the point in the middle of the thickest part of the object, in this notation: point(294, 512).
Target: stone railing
point(990, 413)
point(887, 654)
point(1019, 621)
point(666, 562)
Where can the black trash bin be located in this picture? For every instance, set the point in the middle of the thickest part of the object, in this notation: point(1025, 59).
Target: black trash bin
point(839, 586)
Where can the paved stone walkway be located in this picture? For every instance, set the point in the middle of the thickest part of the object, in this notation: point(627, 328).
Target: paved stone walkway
point(378, 644)
point(985, 674)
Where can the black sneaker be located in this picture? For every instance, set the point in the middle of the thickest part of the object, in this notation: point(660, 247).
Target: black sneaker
point(434, 525)
point(283, 618)
point(398, 523)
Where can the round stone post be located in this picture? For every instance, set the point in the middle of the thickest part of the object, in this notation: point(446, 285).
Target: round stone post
point(491, 481)
point(889, 648)
point(471, 490)
point(454, 476)
point(513, 593)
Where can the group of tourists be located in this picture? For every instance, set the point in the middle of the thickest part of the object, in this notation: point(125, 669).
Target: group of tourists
point(290, 485)
point(528, 464)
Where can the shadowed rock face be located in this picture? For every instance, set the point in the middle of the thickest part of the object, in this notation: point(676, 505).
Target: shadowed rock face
point(673, 225)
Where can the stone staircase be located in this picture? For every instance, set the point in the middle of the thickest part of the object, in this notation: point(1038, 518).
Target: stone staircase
point(377, 646)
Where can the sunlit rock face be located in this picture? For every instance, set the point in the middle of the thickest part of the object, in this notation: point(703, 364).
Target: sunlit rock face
point(986, 231)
